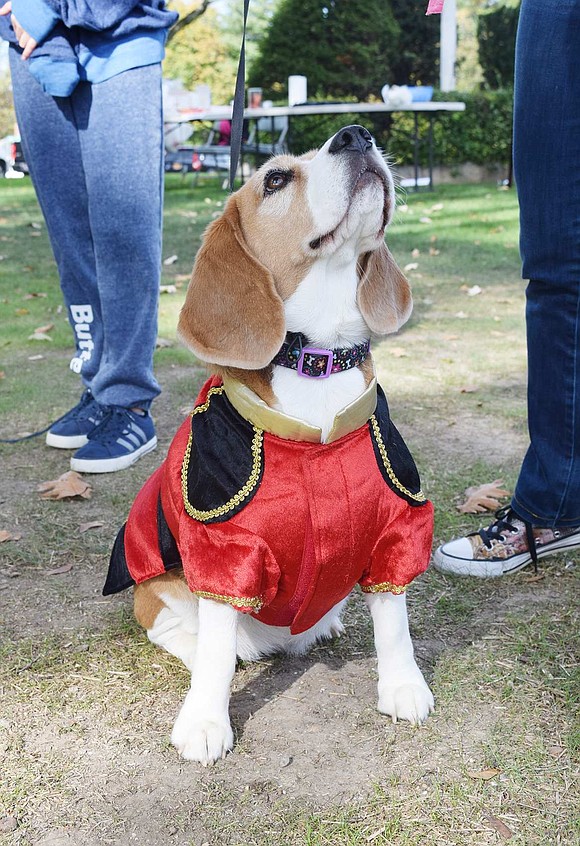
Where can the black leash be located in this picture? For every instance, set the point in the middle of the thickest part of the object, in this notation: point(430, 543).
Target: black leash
point(239, 103)
point(33, 434)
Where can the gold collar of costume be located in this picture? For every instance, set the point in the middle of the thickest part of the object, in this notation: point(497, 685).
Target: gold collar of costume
point(261, 415)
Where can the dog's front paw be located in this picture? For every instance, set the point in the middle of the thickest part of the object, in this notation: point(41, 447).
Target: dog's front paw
point(204, 741)
point(412, 701)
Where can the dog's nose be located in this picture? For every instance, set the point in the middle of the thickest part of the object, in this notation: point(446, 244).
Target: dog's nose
point(353, 139)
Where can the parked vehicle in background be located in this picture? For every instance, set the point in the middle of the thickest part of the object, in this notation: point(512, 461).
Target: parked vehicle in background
point(187, 159)
point(12, 163)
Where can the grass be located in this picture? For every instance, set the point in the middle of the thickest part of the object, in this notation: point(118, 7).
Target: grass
point(88, 703)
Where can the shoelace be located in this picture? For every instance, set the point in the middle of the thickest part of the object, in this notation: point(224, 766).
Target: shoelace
point(503, 524)
point(116, 421)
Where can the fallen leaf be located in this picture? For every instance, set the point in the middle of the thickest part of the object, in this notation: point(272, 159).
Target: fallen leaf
point(474, 291)
point(170, 260)
point(39, 336)
point(34, 294)
point(411, 266)
point(425, 220)
point(167, 289)
point(94, 524)
point(2, 374)
point(68, 485)
point(56, 571)
point(436, 207)
point(20, 312)
point(483, 498)
point(461, 315)
point(35, 357)
point(501, 828)
point(398, 352)
point(468, 389)
point(163, 343)
point(433, 251)
point(416, 253)
point(484, 775)
point(44, 329)
point(8, 536)
point(35, 225)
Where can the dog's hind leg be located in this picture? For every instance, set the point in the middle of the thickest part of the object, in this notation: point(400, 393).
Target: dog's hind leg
point(168, 610)
point(202, 730)
point(403, 692)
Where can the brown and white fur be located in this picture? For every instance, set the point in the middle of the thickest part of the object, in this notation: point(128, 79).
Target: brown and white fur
point(300, 247)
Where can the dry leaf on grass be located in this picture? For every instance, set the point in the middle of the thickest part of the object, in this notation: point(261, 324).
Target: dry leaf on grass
point(163, 343)
point(44, 329)
point(8, 536)
point(68, 485)
point(57, 571)
point(504, 832)
point(483, 498)
point(39, 336)
point(484, 775)
point(94, 524)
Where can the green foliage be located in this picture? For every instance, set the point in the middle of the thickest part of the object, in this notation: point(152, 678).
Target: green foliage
point(482, 134)
point(417, 59)
point(496, 38)
point(195, 53)
point(344, 48)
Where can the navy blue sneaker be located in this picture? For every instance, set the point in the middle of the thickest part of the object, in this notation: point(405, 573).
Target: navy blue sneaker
point(120, 439)
point(72, 429)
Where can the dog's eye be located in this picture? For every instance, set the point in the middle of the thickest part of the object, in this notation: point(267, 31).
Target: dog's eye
point(275, 180)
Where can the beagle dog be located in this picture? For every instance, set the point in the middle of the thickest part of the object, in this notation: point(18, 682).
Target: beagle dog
point(288, 484)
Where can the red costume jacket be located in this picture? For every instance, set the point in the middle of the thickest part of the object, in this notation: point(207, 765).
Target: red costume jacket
point(281, 529)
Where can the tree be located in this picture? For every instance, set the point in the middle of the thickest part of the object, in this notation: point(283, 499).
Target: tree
point(344, 48)
point(417, 59)
point(496, 36)
point(198, 54)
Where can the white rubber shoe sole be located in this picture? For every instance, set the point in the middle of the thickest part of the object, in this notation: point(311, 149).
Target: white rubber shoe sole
point(111, 465)
point(453, 558)
point(66, 441)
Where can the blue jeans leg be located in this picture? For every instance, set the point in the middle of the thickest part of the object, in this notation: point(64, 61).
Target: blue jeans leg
point(96, 160)
point(547, 171)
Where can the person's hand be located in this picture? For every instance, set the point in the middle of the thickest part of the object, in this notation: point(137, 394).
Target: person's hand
point(25, 40)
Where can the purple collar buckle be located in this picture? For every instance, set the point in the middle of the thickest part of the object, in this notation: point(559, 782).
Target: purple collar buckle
point(319, 362)
point(315, 363)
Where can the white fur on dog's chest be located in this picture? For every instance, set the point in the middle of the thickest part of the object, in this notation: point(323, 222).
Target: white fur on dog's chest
point(316, 401)
point(325, 310)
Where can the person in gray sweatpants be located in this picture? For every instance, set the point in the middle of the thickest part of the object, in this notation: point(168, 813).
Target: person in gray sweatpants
point(89, 112)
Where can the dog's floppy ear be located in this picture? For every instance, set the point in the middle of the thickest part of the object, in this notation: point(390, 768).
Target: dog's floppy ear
point(232, 315)
point(384, 295)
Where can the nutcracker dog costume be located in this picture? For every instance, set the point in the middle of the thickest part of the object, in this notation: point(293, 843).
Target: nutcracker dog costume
point(288, 485)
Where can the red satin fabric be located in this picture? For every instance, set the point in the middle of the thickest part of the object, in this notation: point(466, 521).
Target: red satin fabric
point(322, 520)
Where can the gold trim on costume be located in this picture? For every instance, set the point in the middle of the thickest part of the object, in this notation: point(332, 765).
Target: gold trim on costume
point(419, 496)
point(275, 422)
point(384, 587)
point(237, 601)
point(243, 493)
